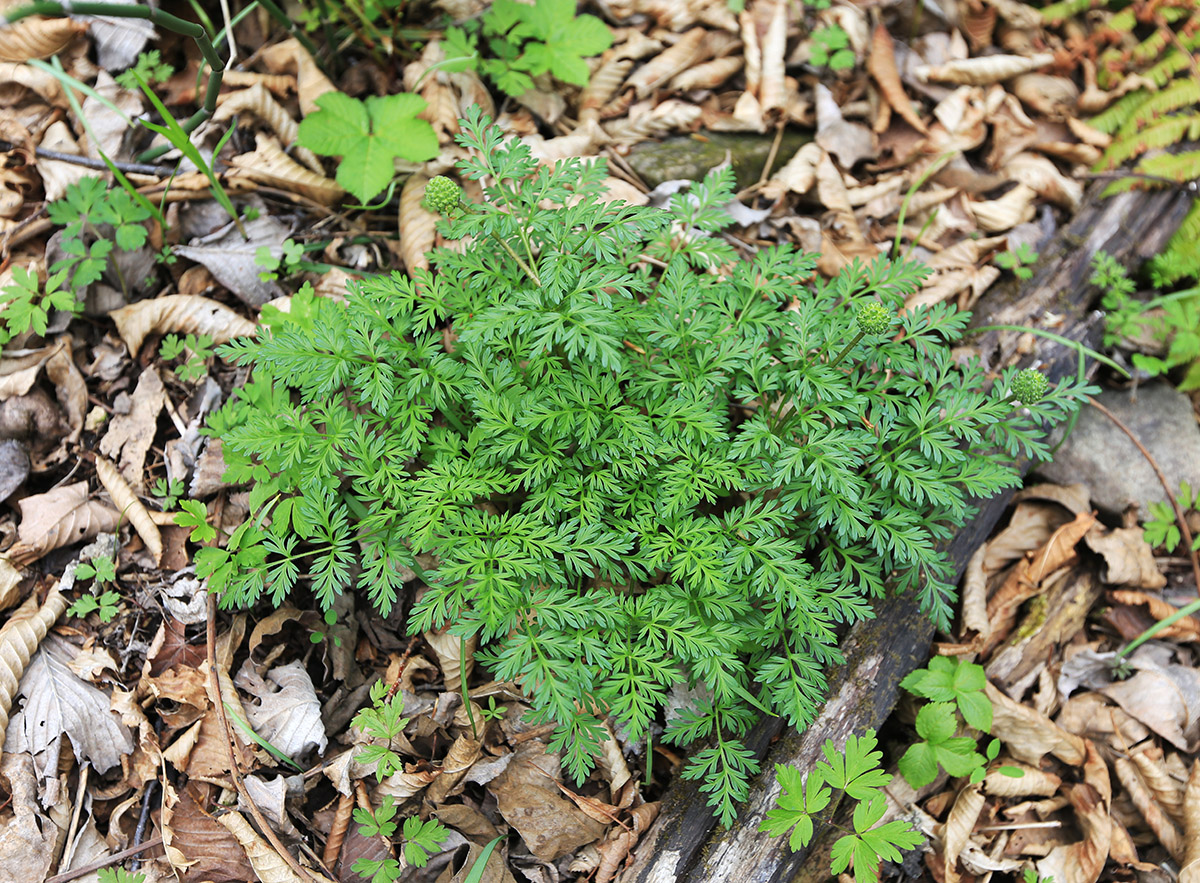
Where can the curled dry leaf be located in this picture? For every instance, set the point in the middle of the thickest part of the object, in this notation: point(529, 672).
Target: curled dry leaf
point(708, 75)
point(417, 224)
point(455, 656)
point(37, 37)
point(258, 102)
point(1045, 178)
point(19, 638)
point(1082, 862)
point(669, 116)
point(1053, 97)
point(198, 847)
point(1029, 735)
point(604, 85)
point(56, 174)
point(881, 64)
point(267, 863)
point(1011, 209)
point(1034, 782)
point(57, 518)
point(290, 57)
point(688, 51)
point(851, 142)
point(42, 82)
point(131, 434)
point(458, 760)
point(269, 165)
point(400, 786)
point(983, 71)
point(1168, 793)
point(181, 314)
point(1128, 559)
point(130, 507)
point(959, 825)
point(1190, 870)
point(797, 175)
point(772, 93)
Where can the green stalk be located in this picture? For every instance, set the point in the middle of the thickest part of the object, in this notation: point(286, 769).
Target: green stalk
point(849, 347)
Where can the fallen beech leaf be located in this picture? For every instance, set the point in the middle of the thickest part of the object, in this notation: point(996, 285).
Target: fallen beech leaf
point(1013, 208)
point(984, 70)
point(58, 703)
point(19, 637)
point(1029, 735)
point(291, 57)
point(28, 839)
point(1190, 870)
point(1164, 697)
point(959, 825)
point(798, 175)
point(1128, 558)
point(402, 785)
point(130, 507)
point(670, 116)
point(37, 37)
point(1143, 799)
point(550, 825)
point(233, 260)
point(772, 92)
point(454, 656)
point(180, 313)
point(287, 714)
point(70, 390)
point(269, 165)
point(458, 760)
point(130, 435)
point(1034, 782)
point(881, 64)
point(687, 52)
point(417, 224)
point(267, 863)
point(1082, 862)
point(59, 518)
point(851, 142)
point(709, 75)
point(258, 102)
point(199, 847)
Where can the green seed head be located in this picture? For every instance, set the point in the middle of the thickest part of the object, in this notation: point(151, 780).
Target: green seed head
point(874, 318)
point(442, 195)
point(1029, 386)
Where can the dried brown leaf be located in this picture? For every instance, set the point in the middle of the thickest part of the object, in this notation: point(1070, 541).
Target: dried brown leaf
point(258, 102)
point(57, 518)
point(772, 92)
point(417, 224)
point(1152, 813)
point(458, 760)
point(851, 142)
point(688, 51)
point(37, 37)
point(199, 847)
point(550, 825)
point(267, 863)
point(1189, 871)
point(1082, 862)
point(1128, 559)
point(984, 70)
point(670, 116)
point(182, 314)
point(881, 64)
point(19, 638)
point(289, 57)
point(1013, 208)
point(1029, 735)
point(959, 825)
point(709, 75)
point(130, 507)
point(269, 165)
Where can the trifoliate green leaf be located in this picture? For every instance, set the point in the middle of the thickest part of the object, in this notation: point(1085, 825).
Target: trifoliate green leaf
point(368, 136)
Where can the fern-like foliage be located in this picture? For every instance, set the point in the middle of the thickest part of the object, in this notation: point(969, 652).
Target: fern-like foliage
point(627, 461)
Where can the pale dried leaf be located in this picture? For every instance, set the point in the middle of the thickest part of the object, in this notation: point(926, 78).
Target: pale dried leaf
point(29, 840)
point(984, 70)
point(670, 116)
point(19, 638)
point(455, 655)
point(687, 52)
point(57, 518)
point(550, 825)
point(1166, 698)
point(772, 93)
point(1189, 872)
point(1082, 862)
point(1152, 813)
point(417, 224)
point(402, 785)
point(1053, 97)
point(130, 507)
point(289, 57)
point(1128, 558)
point(959, 825)
point(37, 37)
point(258, 102)
point(709, 75)
point(56, 174)
point(604, 84)
point(269, 165)
point(1167, 791)
point(850, 142)
point(1034, 782)
point(233, 259)
point(974, 596)
point(1013, 208)
point(181, 314)
point(797, 175)
point(42, 82)
point(130, 435)
point(1044, 177)
point(458, 760)
point(70, 389)
point(881, 64)
point(267, 863)
point(58, 703)
point(1029, 735)
point(288, 714)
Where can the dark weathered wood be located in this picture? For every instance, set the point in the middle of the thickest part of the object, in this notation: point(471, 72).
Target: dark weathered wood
point(685, 844)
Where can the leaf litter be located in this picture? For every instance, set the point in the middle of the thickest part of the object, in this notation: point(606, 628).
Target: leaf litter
point(1111, 772)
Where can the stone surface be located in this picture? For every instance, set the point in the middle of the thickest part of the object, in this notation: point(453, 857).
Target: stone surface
point(689, 158)
point(1101, 456)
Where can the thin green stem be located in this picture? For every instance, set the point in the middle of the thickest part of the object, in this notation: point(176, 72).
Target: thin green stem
point(520, 263)
point(849, 347)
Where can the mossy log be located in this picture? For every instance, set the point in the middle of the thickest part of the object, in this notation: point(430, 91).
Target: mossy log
point(686, 845)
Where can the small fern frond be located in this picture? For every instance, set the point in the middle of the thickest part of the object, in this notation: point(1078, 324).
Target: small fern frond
point(1057, 13)
point(1162, 134)
point(1182, 93)
point(1181, 258)
point(1181, 167)
point(1111, 119)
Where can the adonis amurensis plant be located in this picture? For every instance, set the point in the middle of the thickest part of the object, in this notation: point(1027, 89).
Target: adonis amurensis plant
point(635, 461)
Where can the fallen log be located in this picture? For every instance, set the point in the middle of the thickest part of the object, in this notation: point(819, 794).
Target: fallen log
point(685, 844)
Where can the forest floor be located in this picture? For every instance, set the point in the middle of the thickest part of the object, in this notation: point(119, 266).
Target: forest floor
point(958, 132)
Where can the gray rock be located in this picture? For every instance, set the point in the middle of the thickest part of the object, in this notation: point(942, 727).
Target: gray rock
point(1101, 456)
point(688, 158)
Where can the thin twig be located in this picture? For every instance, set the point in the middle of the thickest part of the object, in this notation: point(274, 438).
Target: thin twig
point(115, 859)
point(1162, 479)
point(136, 168)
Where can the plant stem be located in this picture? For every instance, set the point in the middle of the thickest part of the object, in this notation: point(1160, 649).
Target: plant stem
point(849, 347)
point(520, 263)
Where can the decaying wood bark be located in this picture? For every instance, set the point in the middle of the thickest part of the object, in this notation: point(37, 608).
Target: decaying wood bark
point(685, 844)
